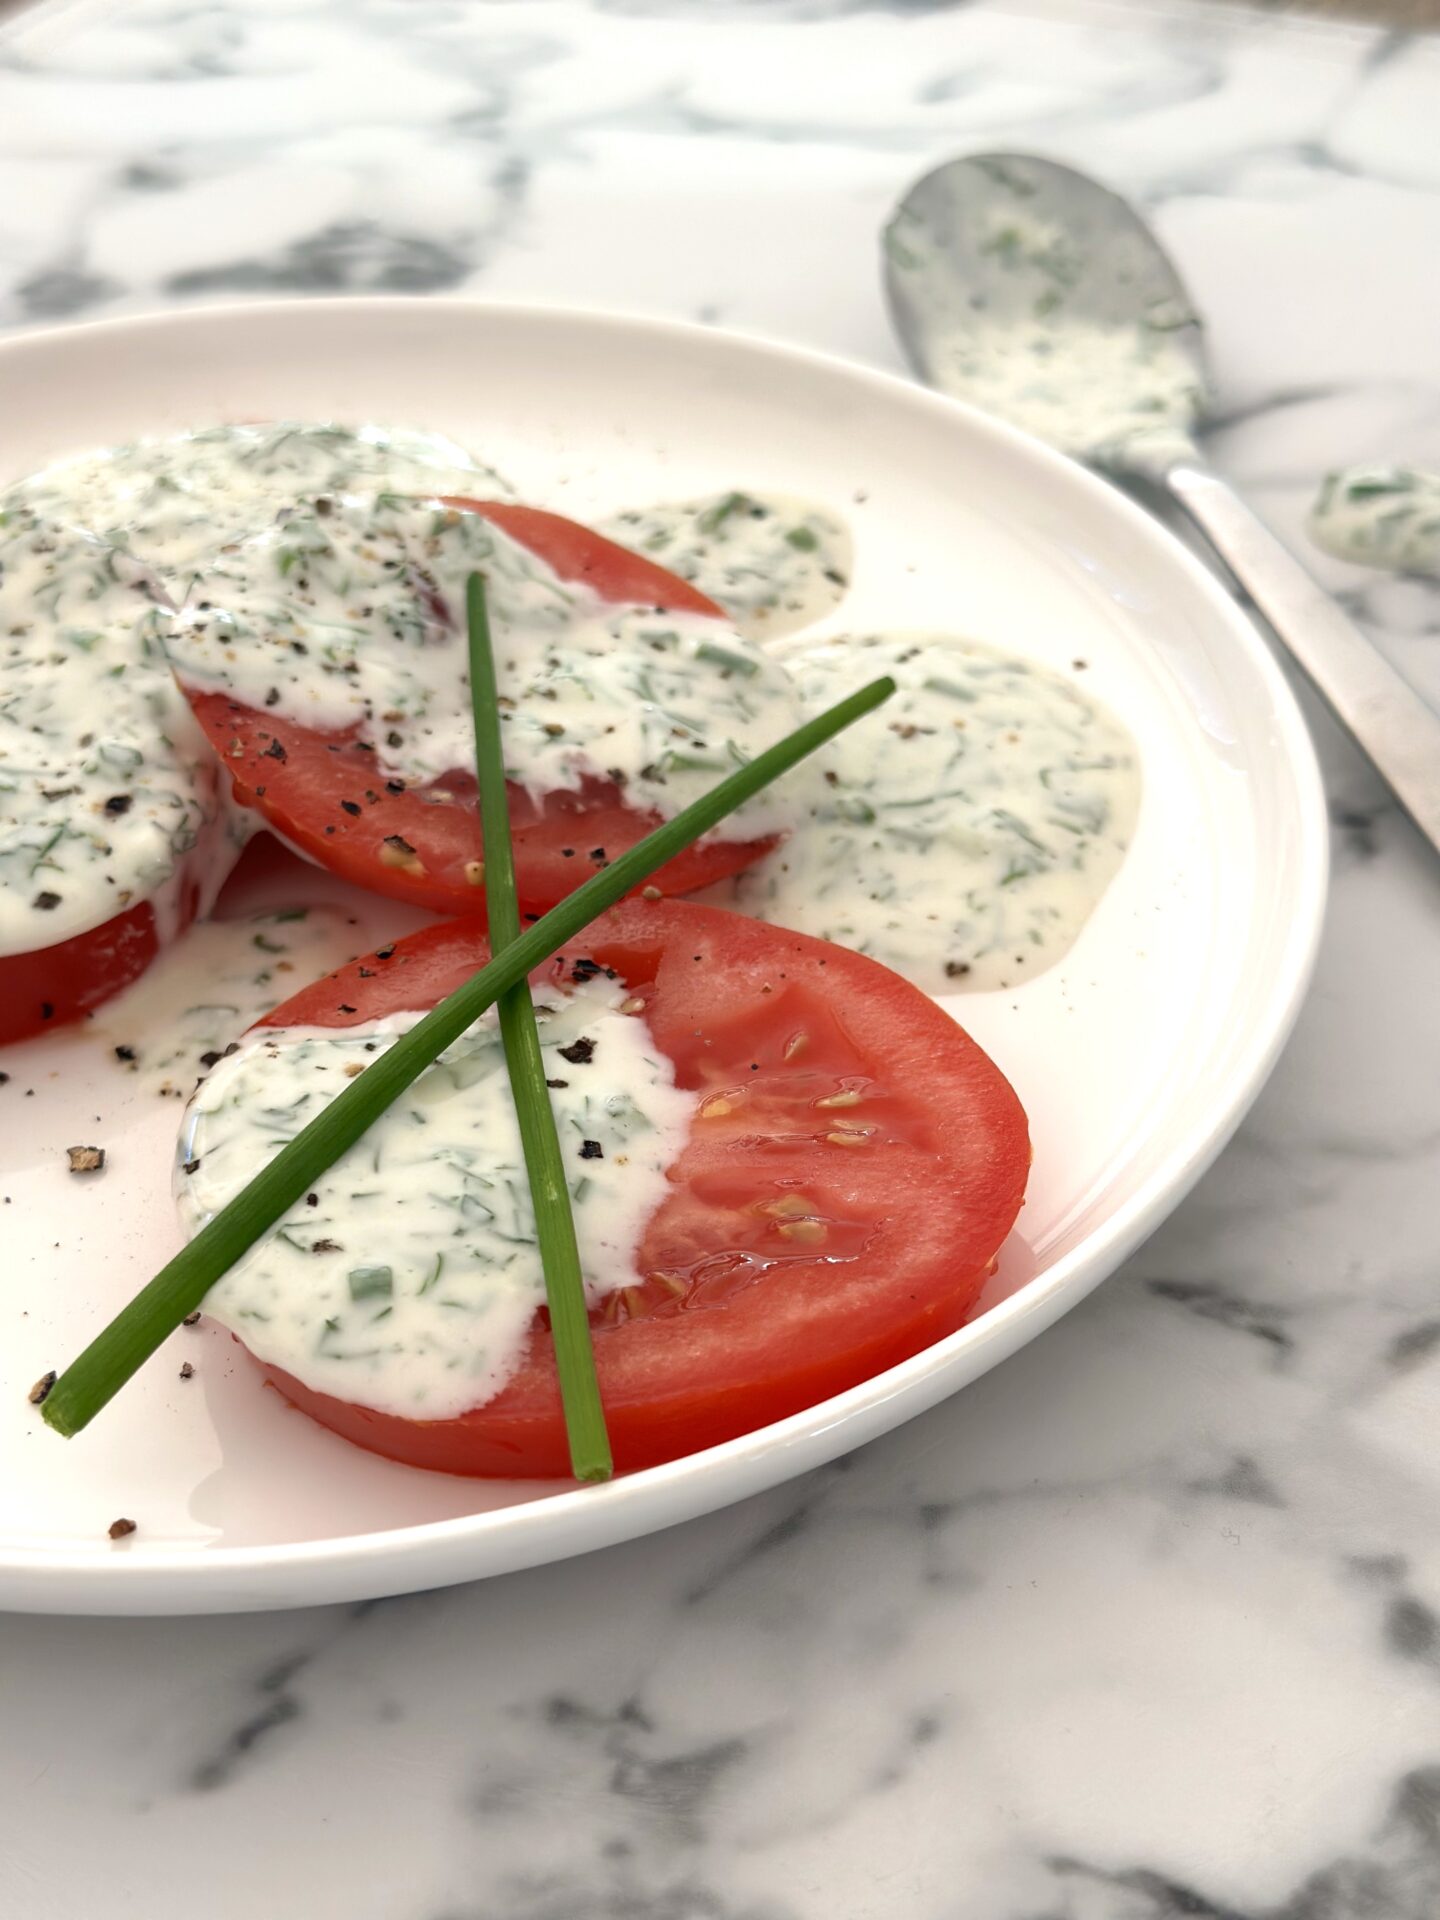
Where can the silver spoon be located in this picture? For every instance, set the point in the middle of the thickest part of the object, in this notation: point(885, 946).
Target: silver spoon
point(1028, 289)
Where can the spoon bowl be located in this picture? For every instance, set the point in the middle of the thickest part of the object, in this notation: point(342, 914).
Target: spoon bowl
point(1025, 288)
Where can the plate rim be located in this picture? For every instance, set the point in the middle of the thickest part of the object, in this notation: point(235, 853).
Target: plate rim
point(74, 1580)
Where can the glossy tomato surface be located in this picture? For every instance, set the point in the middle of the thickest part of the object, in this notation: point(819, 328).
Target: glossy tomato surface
point(49, 986)
point(323, 793)
point(52, 985)
point(853, 1165)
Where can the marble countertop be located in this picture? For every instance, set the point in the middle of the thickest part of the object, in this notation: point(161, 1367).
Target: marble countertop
point(1147, 1623)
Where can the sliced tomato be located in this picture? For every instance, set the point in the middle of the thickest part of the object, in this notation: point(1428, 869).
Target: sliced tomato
point(854, 1164)
point(52, 985)
point(322, 792)
point(64, 982)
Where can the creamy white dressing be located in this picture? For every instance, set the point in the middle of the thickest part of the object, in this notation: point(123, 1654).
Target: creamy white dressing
point(411, 1282)
point(107, 788)
point(774, 563)
point(175, 500)
point(1083, 386)
point(179, 1017)
point(1380, 517)
point(352, 610)
point(106, 782)
point(1081, 338)
point(965, 832)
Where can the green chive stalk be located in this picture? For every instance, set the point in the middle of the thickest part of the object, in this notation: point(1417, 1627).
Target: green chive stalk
point(590, 1457)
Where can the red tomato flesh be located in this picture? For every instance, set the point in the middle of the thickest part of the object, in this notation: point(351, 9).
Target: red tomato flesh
point(49, 986)
point(422, 844)
point(802, 1248)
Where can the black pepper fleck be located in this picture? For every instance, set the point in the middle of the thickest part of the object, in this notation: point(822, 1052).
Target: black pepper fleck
point(591, 1150)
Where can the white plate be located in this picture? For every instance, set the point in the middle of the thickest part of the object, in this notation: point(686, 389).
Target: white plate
point(1135, 1058)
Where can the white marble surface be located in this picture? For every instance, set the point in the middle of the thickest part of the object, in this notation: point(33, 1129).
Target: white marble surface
point(1145, 1624)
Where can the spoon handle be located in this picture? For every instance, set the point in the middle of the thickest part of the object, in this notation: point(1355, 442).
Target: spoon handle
point(1383, 713)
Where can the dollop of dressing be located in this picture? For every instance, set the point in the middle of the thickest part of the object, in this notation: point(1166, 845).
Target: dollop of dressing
point(1380, 517)
point(775, 564)
point(351, 611)
point(411, 1282)
point(106, 782)
point(175, 500)
point(963, 834)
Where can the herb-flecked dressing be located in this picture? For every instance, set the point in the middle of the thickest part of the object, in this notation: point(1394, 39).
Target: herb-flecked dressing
point(106, 784)
point(1380, 517)
point(410, 1280)
point(179, 1017)
point(965, 833)
point(775, 564)
point(351, 611)
point(1077, 336)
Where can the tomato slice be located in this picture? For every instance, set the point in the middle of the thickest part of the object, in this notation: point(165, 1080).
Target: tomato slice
point(48, 986)
point(803, 1247)
point(51, 985)
point(322, 792)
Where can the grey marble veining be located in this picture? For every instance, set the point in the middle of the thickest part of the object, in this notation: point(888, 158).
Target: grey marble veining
point(1147, 1623)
